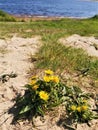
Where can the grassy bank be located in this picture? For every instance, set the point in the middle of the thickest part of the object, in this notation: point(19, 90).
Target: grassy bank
point(6, 17)
point(52, 54)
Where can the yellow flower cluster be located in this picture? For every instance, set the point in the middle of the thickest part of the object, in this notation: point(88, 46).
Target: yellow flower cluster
point(84, 107)
point(33, 82)
point(73, 108)
point(55, 79)
point(79, 108)
point(44, 95)
point(49, 77)
point(35, 87)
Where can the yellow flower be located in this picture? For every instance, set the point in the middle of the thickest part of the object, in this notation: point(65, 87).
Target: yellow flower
point(35, 87)
point(73, 107)
point(54, 79)
point(84, 107)
point(44, 95)
point(49, 72)
point(46, 78)
point(79, 109)
point(32, 82)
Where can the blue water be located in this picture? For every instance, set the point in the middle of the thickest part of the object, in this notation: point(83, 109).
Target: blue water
point(67, 8)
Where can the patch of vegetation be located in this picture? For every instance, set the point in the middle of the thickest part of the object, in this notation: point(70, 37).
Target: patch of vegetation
point(42, 94)
point(6, 17)
point(52, 54)
point(77, 105)
point(45, 93)
point(61, 57)
point(95, 17)
point(57, 57)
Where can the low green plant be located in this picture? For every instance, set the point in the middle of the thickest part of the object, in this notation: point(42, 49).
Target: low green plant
point(42, 94)
point(78, 107)
point(47, 91)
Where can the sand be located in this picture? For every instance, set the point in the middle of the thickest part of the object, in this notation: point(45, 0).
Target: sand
point(14, 59)
point(88, 44)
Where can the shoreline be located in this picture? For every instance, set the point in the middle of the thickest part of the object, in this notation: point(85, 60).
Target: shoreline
point(42, 17)
point(35, 17)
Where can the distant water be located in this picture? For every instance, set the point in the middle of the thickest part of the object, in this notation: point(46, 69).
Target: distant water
point(63, 8)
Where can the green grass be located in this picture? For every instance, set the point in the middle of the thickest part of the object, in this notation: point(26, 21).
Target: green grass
point(52, 54)
point(55, 28)
point(59, 58)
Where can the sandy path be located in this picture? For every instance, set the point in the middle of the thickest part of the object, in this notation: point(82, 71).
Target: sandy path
point(14, 54)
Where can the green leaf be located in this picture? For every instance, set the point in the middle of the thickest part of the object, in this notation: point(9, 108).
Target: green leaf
point(25, 109)
point(27, 86)
point(40, 111)
point(77, 90)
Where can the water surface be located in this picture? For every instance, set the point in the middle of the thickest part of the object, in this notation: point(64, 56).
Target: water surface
point(67, 8)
